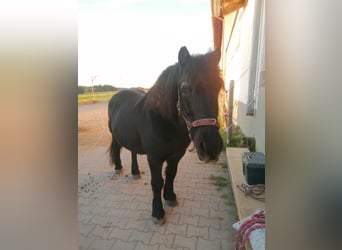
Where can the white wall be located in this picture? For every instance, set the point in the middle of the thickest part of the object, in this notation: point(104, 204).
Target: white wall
point(237, 65)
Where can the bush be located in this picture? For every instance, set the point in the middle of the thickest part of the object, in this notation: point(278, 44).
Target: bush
point(240, 140)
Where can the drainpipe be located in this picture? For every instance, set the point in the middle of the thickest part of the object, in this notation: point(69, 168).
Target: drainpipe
point(253, 60)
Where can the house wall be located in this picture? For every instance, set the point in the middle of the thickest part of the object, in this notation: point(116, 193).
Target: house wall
point(243, 61)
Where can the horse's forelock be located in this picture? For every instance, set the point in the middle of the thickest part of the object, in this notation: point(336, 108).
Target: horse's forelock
point(162, 97)
point(208, 73)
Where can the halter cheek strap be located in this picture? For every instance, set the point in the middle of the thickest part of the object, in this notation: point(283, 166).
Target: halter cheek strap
point(196, 123)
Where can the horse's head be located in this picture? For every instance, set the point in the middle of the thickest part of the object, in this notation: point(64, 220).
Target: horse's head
point(198, 89)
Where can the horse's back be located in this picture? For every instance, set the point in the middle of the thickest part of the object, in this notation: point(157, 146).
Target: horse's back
point(125, 97)
point(123, 118)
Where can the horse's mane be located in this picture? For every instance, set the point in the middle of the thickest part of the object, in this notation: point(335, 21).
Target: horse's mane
point(163, 95)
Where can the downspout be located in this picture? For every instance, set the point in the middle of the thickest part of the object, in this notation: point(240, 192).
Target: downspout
point(250, 111)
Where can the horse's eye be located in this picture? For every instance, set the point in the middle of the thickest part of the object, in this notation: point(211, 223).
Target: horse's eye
point(185, 88)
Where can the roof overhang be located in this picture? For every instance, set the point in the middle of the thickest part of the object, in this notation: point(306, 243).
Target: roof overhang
point(219, 9)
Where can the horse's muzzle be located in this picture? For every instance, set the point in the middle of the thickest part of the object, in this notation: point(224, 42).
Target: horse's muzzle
point(208, 143)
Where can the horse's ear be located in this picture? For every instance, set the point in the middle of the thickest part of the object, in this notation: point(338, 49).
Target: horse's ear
point(216, 56)
point(183, 56)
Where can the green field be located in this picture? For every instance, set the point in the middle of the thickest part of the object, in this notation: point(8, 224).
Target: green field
point(98, 97)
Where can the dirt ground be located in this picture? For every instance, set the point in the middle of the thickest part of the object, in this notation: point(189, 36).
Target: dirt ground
point(93, 125)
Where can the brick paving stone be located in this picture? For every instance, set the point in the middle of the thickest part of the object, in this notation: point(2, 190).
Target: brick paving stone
point(172, 218)
point(122, 234)
point(227, 245)
point(200, 197)
point(131, 205)
point(209, 222)
point(99, 220)
point(195, 203)
point(152, 227)
point(86, 209)
point(218, 234)
point(122, 245)
point(100, 210)
point(186, 195)
point(141, 246)
point(199, 211)
point(118, 221)
point(143, 199)
point(211, 205)
point(162, 247)
point(101, 232)
point(85, 229)
point(190, 220)
point(208, 244)
point(144, 206)
point(85, 218)
point(97, 244)
point(182, 210)
point(185, 242)
point(84, 242)
point(227, 221)
point(136, 224)
point(176, 229)
point(116, 213)
point(132, 214)
point(198, 231)
point(162, 239)
point(144, 237)
point(213, 213)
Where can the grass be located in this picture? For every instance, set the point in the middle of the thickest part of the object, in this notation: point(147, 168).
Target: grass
point(98, 97)
point(219, 180)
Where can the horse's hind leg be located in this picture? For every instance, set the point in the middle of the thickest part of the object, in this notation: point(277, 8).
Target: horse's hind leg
point(135, 167)
point(115, 155)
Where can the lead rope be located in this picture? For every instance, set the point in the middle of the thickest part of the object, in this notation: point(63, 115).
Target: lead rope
point(256, 222)
point(254, 191)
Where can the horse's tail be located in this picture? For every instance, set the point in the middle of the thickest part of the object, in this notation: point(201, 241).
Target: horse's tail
point(110, 150)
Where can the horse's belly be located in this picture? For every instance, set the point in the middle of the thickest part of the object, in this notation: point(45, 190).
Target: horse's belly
point(128, 137)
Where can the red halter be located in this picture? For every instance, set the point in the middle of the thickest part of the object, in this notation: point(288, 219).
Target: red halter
point(197, 123)
point(202, 122)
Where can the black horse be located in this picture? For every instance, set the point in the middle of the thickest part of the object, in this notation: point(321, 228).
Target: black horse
point(181, 106)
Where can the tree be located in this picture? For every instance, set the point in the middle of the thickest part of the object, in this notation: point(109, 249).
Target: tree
point(81, 89)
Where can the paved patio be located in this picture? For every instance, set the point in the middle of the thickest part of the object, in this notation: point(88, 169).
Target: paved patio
point(115, 213)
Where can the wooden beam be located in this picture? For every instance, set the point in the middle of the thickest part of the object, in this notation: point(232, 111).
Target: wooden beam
point(232, 5)
point(217, 30)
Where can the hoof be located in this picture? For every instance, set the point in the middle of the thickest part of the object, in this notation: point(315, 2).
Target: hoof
point(117, 171)
point(171, 203)
point(136, 176)
point(160, 221)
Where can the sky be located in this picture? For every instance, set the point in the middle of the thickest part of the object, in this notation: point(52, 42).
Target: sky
point(128, 43)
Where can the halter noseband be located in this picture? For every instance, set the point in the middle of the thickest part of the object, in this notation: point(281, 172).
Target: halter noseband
point(196, 123)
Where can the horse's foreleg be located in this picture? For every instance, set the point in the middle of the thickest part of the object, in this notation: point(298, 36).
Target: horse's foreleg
point(170, 173)
point(115, 155)
point(135, 167)
point(157, 183)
